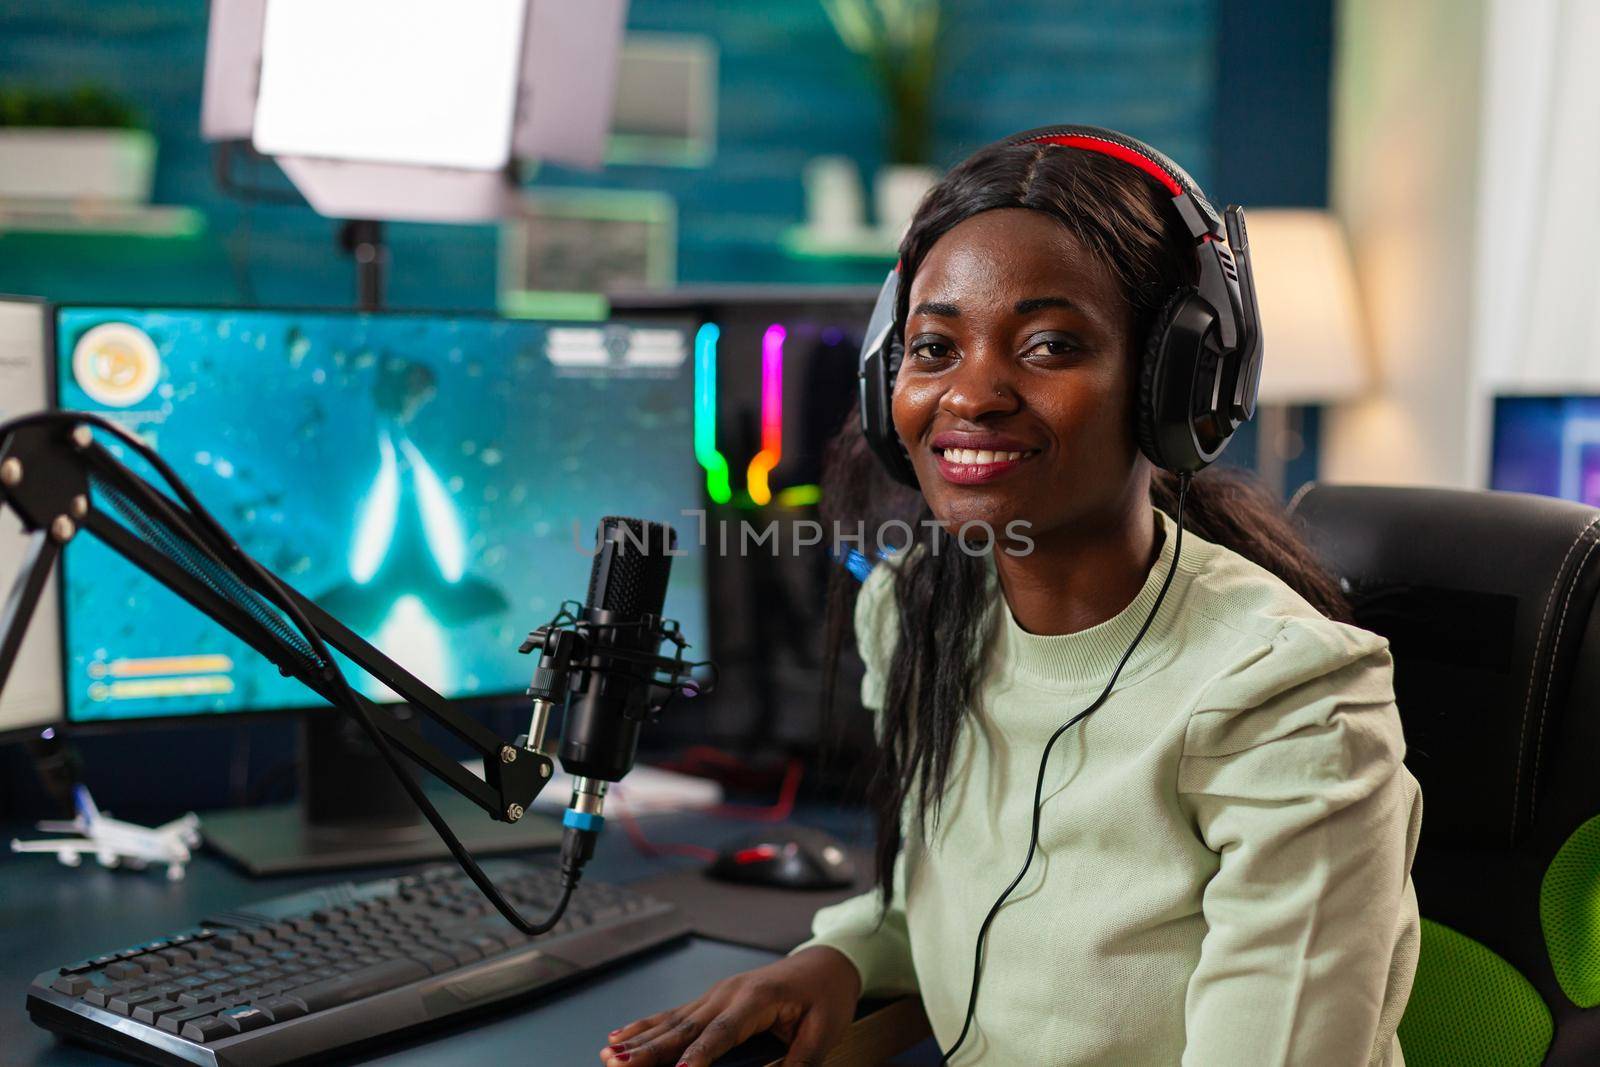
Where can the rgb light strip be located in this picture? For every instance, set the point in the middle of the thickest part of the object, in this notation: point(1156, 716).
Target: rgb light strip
point(705, 414)
point(771, 416)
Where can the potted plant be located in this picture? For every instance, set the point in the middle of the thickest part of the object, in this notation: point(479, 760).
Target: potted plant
point(899, 39)
point(82, 144)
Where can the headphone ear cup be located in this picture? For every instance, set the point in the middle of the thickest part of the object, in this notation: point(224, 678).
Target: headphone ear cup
point(1153, 367)
point(899, 466)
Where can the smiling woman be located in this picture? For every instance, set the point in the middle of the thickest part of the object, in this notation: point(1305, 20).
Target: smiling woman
point(1217, 859)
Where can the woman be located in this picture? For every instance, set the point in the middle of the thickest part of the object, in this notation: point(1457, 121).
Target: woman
point(1224, 845)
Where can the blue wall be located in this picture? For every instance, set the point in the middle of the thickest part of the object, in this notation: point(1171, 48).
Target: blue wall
point(788, 91)
point(1273, 92)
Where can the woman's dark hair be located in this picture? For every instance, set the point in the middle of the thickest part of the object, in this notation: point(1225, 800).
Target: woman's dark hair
point(941, 597)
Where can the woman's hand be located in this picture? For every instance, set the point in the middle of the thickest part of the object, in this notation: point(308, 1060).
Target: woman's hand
point(807, 1000)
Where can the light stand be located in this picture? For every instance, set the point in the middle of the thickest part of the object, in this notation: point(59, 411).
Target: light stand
point(362, 240)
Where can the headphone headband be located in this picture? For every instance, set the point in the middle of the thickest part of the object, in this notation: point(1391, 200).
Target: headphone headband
point(1162, 172)
point(1187, 197)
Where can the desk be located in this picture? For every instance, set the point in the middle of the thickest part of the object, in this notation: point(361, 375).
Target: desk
point(50, 914)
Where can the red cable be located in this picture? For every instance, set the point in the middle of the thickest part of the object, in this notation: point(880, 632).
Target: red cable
point(777, 812)
point(636, 835)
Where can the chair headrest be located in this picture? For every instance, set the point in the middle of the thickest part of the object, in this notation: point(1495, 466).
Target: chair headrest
point(1485, 598)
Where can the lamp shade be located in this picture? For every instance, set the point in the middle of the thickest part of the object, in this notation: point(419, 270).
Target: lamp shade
point(1314, 349)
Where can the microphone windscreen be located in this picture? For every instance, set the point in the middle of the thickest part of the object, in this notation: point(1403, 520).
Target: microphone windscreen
point(632, 564)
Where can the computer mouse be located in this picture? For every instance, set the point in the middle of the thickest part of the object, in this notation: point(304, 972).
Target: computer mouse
point(788, 857)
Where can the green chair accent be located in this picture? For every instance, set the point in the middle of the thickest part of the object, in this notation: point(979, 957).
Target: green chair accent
point(1569, 910)
point(1470, 1008)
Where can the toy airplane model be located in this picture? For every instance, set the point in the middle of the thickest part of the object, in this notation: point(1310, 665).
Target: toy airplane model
point(114, 842)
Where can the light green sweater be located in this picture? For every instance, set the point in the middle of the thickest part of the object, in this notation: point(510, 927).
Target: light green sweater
point(1225, 851)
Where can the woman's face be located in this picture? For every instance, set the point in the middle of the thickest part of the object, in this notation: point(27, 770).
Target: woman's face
point(1015, 397)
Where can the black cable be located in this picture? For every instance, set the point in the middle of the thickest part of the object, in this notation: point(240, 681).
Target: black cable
point(215, 537)
point(1044, 761)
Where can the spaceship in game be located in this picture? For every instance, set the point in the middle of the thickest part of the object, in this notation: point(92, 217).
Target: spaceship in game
point(408, 556)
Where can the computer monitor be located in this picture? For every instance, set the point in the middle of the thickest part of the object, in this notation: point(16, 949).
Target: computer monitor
point(1548, 445)
point(432, 481)
point(32, 699)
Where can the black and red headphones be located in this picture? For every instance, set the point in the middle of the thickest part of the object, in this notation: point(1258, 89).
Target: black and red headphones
point(1201, 366)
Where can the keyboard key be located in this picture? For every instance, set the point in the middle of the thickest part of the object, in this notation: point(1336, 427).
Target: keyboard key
point(489, 946)
point(207, 1029)
point(281, 1009)
point(436, 962)
point(124, 1004)
point(72, 985)
point(463, 953)
point(100, 996)
point(332, 992)
point(172, 1022)
point(246, 1018)
point(78, 968)
point(152, 1010)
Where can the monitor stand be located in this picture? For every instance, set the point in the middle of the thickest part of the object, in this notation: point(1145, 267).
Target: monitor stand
point(354, 813)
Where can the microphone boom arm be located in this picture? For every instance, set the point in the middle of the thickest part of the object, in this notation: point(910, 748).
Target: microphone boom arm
point(60, 482)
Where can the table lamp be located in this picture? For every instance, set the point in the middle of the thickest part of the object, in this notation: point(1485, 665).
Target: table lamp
point(1316, 350)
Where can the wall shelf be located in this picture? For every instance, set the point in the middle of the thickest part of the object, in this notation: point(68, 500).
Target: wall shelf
point(96, 220)
point(803, 242)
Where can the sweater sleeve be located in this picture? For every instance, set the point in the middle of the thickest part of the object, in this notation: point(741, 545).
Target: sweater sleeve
point(1292, 772)
point(871, 937)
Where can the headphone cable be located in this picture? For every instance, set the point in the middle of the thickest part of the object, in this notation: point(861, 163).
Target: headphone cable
point(1044, 761)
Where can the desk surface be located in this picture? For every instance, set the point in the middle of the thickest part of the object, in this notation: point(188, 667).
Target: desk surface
point(50, 914)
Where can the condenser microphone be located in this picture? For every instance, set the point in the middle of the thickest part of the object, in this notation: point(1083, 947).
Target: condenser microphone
point(610, 657)
point(627, 591)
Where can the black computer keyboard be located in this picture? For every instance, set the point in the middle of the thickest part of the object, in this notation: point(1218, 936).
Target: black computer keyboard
point(306, 974)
